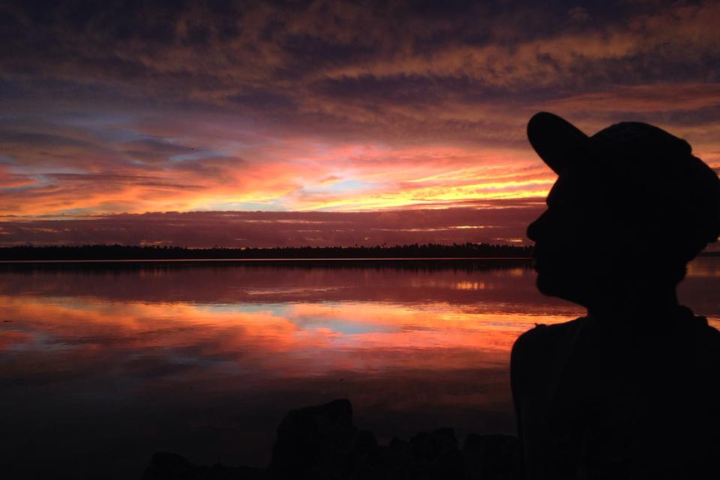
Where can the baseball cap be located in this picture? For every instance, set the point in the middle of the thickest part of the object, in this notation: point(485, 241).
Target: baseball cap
point(651, 174)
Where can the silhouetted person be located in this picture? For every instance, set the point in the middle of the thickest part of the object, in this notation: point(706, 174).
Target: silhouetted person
point(632, 389)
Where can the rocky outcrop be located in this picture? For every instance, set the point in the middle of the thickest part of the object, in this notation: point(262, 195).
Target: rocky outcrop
point(322, 443)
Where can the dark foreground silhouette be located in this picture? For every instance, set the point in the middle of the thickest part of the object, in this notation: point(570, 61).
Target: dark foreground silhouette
point(321, 442)
point(631, 390)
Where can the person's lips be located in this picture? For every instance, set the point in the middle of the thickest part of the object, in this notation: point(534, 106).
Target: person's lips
point(536, 258)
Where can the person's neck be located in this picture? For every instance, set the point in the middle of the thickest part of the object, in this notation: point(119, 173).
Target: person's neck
point(651, 305)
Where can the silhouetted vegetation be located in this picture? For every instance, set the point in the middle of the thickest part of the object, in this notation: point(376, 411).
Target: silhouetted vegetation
point(125, 252)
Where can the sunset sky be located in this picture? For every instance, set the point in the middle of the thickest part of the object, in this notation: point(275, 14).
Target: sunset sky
point(273, 123)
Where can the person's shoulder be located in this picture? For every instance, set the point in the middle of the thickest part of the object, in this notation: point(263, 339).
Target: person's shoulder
point(708, 330)
point(548, 335)
point(711, 333)
point(707, 335)
point(540, 346)
point(698, 328)
point(536, 352)
point(694, 341)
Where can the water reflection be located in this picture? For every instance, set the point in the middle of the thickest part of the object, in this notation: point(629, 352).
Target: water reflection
point(101, 367)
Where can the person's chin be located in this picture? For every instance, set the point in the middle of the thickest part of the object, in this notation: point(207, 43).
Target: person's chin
point(544, 285)
point(551, 285)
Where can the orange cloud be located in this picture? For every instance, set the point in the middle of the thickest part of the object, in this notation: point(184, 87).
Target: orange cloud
point(286, 342)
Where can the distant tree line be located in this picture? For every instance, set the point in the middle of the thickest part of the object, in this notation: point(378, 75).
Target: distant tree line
point(127, 252)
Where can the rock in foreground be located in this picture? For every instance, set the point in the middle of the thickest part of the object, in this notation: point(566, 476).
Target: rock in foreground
point(322, 443)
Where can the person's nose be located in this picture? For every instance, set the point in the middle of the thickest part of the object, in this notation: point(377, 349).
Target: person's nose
point(536, 228)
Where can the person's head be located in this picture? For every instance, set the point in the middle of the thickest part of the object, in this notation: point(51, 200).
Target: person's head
point(631, 207)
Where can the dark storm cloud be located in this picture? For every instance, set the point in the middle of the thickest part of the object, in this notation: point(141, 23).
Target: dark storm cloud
point(39, 139)
point(314, 65)
point(151, 145)
point(297, 55)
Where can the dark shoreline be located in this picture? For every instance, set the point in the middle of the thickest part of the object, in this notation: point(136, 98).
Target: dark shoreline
point(470, 264)
point(266, 260)
point(132, 252)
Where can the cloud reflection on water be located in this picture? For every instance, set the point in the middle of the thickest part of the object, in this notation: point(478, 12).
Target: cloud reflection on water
point(206, 360)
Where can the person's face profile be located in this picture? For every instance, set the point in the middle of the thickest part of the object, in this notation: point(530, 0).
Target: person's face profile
point(570, 237)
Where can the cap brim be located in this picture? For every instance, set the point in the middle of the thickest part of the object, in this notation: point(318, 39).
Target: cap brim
point(556, 141)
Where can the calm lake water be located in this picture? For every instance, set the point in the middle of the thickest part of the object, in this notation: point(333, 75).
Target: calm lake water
point(101, 367)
